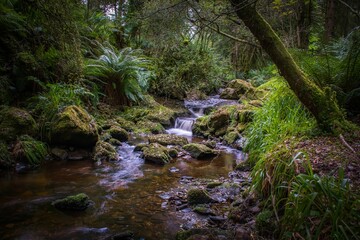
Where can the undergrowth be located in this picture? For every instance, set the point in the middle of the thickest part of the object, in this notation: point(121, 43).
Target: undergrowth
point(31, 150)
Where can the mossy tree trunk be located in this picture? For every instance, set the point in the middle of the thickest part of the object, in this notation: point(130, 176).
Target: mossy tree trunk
point(321, 103)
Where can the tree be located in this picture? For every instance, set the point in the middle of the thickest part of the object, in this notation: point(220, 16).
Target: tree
point(320, 102)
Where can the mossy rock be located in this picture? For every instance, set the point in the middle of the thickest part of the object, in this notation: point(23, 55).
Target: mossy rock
point(213, 184)
point(246, 115)
point(265, 222)
point(230, 93)
point(118, 133)
point(156, 153)
point(125, 124)
point(115, 142)
point(15, 122)
point(6, 161)
point(168, 139)
point(140, 146)
point(147, 126)
point(210, 144)
point(219, 119)
point(240, 86)
point(199, 151)
point(241, 127)
point(231, 137)
point(162, 115)
point(243, 166)
point(173, 152)
point(104, 151)
point(74, 127)
point(198, 196)
point(77, 202)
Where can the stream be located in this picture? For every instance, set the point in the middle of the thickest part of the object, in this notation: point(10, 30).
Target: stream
point(126, 193)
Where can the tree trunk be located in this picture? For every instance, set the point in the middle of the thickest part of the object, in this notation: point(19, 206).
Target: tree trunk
point(330, 20)
point(322, 104)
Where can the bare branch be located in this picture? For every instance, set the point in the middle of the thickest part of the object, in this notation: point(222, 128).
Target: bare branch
point(357, 13)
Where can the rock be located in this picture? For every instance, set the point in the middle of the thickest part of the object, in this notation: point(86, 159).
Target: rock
point(140, 146)
point(246, 115)
point(125, 124)
point(6, 160)
point(79, 154)
point(104, 151)
point(220, 118)
point(168, 139)
point(242, 234)
point(74, 127)
point(173, 152)
point(203, 210)
point(199, 151)
point(214, 124)
point(195, 94)
point(156, 153)
point(244, 166)
point(114, 142)
point(161, 114)
point(230, 93)
point(265, 222)
point(59, 153)
point(198, 196)
point(118, 133)
point(147, 126)
point(213, 184)
point(15, 122)
point(77, 202)
point(240, 86)
point(210, 144)
point(231, 137)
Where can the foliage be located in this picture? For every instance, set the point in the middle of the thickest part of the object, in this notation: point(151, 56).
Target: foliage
point(33, 151)
point(123, 74)
point(56, 97)
point(185, 67)
point(281, 116)
point(5, 157)
point(321, 207)
point(261, 76)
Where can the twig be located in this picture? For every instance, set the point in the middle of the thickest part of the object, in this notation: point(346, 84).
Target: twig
point(346, 144)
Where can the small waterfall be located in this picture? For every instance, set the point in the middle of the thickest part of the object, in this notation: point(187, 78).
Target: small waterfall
point(184, 123)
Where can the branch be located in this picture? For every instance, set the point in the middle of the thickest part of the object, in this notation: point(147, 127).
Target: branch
point(232, 37)
point(357, 13)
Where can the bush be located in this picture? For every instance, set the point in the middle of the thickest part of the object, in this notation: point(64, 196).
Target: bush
point(124, 74)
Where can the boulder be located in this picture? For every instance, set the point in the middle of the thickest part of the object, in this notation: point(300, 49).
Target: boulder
point(59, 153)
point(231, 137)
point(199, 151)
point(104, 151)
point(147, 126)
point(74, 127)
point(15, 122)
point(162, 114)
point(198, 196)
point(240, 86)
point(168, 139)
point(229, 93)
point(125, 124)
point(156, 153)
point(77, 202)
point(118, 133)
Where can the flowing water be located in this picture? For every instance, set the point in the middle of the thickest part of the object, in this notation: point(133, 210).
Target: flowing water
point(126, 196)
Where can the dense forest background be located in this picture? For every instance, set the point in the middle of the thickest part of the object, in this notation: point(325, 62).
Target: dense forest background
point(89, 62)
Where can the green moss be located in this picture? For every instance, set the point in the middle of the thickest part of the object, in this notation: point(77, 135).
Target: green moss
point(30, 150)
point(161, 114)
point(15, 122)
point(198, 196)
point(105, 152)
point(140, 146)
point(231, 137)
point(168, 139)
point(146, 126)
point(199, 151)
point(6, 160)
point(125, 124)
point(77, 202)
point(265, 222)
point(118, 133)
point(156, 153)
point(213, 184)
point(74, 127)
point(245, 115)
point(173, 152)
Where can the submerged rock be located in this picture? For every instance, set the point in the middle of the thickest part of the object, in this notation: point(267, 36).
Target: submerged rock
point(77, 202)
point(74, 127)
point(168, 139)
point(199, 151)
point(156, 153)
point(15, 122)
point(198, 196)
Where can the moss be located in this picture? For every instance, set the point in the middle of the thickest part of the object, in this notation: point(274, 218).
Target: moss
point(125, 124)
point(74, 127)
point(246, 115)
point(105, 152)
point(199, 151)
point(30, 150)
point(173, 152)
point(15, 122)
point(240, 85)
point(168, 139)
point(162, 114)
point(244, 166)
point(146, 126)
point(198, 196)
point(230, 93)
point(6, 160)
point(118, 133)
point(213, 184)
point(140, 146)
point(156, 153)
point(231, 137)
point(114, 142)
point(77, 202)
point(265, 222)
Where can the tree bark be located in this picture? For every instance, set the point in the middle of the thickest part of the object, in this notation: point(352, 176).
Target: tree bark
point(321, 103)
